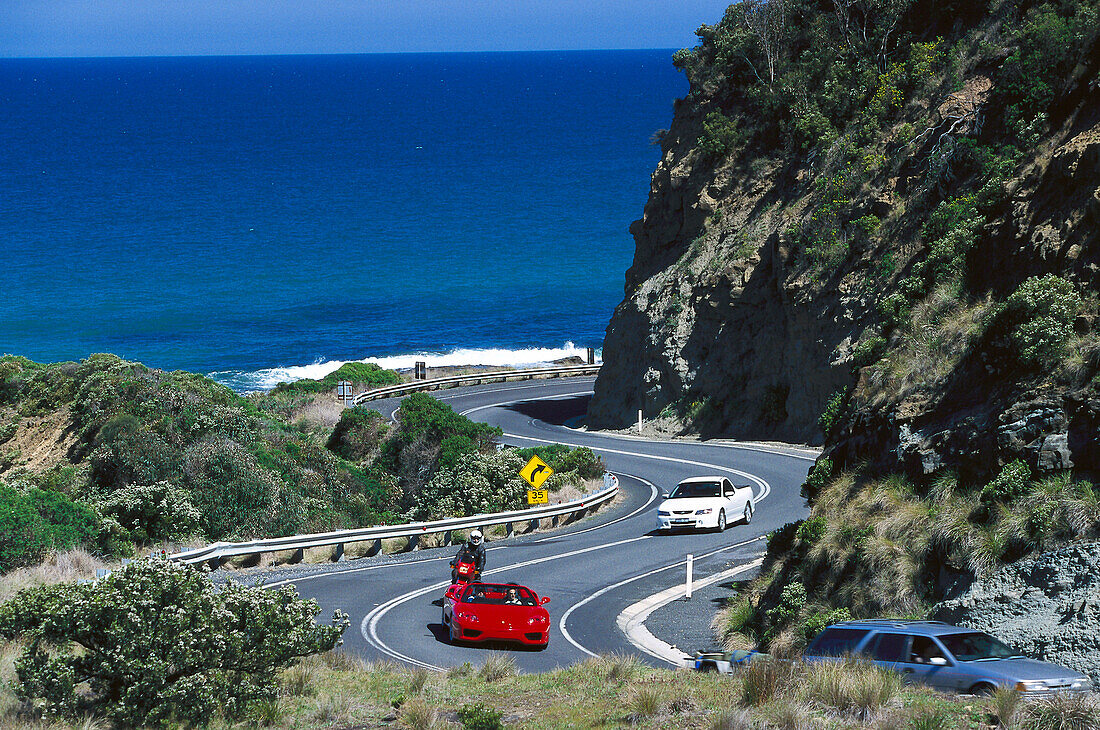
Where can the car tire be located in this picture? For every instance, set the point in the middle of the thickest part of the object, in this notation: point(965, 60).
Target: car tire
point(710, 668)
point(983, 689)
point(721, 520)
point(443, 617)
point(748, 513)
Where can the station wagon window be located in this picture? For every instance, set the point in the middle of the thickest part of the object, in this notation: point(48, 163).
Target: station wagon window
point(836, 642)
point(925, 650)
point(975, 645)
point(890, 647)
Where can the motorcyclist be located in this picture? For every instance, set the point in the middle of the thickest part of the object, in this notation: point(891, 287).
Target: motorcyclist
point(472, 551)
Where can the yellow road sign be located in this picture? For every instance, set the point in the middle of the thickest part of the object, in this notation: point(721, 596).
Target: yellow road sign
point(536, 472)
point(538, 496)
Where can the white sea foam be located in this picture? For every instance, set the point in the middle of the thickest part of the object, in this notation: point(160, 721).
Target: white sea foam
point(268, 378)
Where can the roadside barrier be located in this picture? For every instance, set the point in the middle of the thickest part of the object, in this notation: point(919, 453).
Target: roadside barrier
point(475, 379)
point(217, 552)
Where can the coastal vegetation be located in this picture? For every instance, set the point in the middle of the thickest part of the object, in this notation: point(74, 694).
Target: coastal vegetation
point(112, 455)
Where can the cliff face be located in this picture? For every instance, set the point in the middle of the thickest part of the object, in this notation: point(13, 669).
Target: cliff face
point(888, 245)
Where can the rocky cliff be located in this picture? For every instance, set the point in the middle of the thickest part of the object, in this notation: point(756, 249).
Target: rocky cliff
point(874, 226)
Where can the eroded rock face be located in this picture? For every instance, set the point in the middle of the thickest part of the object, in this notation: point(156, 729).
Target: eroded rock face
point(1047, 607)
point(724, 324)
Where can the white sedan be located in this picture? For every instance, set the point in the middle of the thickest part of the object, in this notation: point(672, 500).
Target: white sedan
point(705, 502)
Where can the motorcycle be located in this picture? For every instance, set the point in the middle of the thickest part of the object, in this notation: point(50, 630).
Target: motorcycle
point(464, 572)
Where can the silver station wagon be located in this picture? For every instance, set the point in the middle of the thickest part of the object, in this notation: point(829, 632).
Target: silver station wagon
point(946, 657)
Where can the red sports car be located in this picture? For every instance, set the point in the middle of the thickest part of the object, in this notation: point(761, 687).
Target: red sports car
point(496, 612)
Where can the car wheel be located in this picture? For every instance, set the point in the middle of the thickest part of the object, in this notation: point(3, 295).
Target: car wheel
point(721, 520)
point(710, 668)
point(983, 689)
point(443, 618)
point(748, 513)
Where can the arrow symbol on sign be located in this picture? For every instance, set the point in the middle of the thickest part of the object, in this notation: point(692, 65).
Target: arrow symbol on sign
point(536, 470)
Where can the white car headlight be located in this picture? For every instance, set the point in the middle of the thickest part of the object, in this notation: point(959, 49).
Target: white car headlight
point(706, 511)
point(1031, 685)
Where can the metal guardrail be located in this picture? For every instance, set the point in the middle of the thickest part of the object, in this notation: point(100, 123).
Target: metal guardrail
point(476, 379)
point(219, 551)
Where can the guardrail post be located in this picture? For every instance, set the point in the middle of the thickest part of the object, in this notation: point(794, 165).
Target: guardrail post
point(508, 531)
point(554, 520)
point(374, 549)
point(338, 556)
point(414, 543)
point(214, 563)
point(533, 525)
point(298, 556)
point(446, 538)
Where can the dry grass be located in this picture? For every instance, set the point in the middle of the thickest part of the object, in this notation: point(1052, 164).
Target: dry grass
point(301, 680)
point(762, 680)
point(852, 687)
point(497, 666)
point(345, 661)
point(418, 715)
point(645, 701)
point(418, 679)
point(330, 708)
point(66, 567)
point(1004, 705)
point(1063, 711)
point(940, 332)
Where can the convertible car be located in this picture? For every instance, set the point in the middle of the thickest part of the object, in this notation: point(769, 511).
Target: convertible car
point(496, 612)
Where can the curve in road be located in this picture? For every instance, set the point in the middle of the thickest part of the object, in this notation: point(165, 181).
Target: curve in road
point(593, 569)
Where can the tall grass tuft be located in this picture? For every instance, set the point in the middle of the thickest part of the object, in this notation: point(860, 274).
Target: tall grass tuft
point(731, 623)
point(850, 686)
point(645, 702)
point(733, 720)
point(266, 713)
point(497, 666)
point(620, 667)
point(1063, 711)
point(301, 680)
point(1004, 704)
point(417, 715)
point(418, 678)
point(343, 661)
point(330, 708)
point(763, 679)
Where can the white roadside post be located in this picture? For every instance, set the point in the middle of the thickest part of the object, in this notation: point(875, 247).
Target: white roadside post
point(639, 420)
point(690, 565)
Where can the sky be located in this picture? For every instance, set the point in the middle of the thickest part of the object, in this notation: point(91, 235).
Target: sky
point(73, 28)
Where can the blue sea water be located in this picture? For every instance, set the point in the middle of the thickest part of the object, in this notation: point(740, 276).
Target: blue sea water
point(266, 218)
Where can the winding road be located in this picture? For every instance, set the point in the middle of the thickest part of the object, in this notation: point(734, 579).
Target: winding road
point(593, 569)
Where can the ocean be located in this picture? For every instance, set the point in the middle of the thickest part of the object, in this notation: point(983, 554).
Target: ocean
point(266, 218)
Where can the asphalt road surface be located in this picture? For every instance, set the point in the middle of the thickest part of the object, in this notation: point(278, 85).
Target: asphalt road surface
point(591, 569)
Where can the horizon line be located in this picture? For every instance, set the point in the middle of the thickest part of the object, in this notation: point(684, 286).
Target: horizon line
point(334, 53)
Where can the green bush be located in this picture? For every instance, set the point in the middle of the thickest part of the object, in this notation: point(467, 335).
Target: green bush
point(480, 717)
point(830, 416)
point(160, 511)
point(427, 422)
point(358, 433)
point(1039, 318)
point(156, 644)
point(35, 521)
point(1012, 482)
point(819, 476)
point(720, 135)
point(477, 484)
point(366, 374)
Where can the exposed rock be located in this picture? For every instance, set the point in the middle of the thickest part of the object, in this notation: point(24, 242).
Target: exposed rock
point(1047, 607)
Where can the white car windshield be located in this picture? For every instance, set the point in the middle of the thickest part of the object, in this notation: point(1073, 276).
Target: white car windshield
point(696, 489)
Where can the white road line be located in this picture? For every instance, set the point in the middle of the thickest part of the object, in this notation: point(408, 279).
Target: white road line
point(652, 496)
point(368, 627)
point(602, 591)
point(632, 619)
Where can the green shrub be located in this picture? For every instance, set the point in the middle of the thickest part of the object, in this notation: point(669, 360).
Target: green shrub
point(819, 476)
point(358, 433)
point(1012, 482)
point(811, 531)
point(428, 421)
point(868, 351)
point(366, 374)
point(478, 483)
point(830, 416)
point(480, 717)
point(160, 511)
point(1039, 319)
point(156, 643)
point(720, 135)
point(35, 521)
